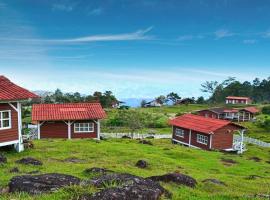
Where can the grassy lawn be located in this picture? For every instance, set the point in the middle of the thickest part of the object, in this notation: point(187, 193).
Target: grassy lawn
point(163, 157)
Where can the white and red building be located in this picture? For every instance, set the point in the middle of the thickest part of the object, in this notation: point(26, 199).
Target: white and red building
point(11, 98)
point(238, 100)
point(204, 133)
point(72, 120)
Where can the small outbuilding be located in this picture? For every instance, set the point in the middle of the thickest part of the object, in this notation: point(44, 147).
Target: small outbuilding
point(72, 120)
point(11, 98)
point(220, 113)
point(204, 133)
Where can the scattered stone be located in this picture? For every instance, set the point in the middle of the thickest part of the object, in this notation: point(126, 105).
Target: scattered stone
point(74, 160)
point(214, 181)
point(256, 159)
point(39, 184)
point(126, 137)
point(141, 164)
point(253, 177)
point(126, 187)
point(150, 137)
point(29, 161)
point(3, 159)
point(177, 178)
point(228, 162)
point(4, 190)
point(146, 142)
point(14, 170)
point(97, 170)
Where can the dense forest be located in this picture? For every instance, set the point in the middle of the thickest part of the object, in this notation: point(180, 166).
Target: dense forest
point(258, 90)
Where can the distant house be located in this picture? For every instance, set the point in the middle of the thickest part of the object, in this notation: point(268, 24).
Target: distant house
point(117, 104)
point(204, 133)
point(11, 97)
point(153, 103)
point(243, 114)
point(185, 101)
point(237, 100)
point(73, 120)
point(219, 113)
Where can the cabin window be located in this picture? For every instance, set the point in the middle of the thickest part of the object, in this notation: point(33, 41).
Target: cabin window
point(5, 119)
point(202, 139)
point(84, 127)
point(179, 132)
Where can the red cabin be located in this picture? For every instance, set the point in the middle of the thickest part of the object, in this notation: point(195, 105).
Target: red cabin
point(237, 100)
point(72, 120)
point(204, 133)
point(11, 97)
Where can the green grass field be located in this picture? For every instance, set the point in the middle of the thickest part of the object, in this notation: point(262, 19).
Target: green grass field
point(163, 157)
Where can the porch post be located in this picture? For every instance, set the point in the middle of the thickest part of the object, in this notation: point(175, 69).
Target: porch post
point(19, 112)
point(210, 145)
point(189, 140)
point(38, 127)
point(69, 130)
point(98, 129)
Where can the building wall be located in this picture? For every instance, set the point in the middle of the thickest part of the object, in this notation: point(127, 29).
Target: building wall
point(223, 138)
point(59, 129)
point(208, 113)
point(193, 138)
point(10, 134)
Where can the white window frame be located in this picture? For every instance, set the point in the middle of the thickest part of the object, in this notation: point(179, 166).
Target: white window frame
point(5, 119)
point(202, 139)
point(181, 132)
point(82, 125)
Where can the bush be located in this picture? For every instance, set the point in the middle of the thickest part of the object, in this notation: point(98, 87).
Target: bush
point(266, 110)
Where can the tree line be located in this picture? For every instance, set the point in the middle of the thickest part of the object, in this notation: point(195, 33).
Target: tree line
point(106, 99)
point(258, 90)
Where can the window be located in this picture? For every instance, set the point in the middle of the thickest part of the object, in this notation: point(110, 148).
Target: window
point(5, 119)
point(202, 139)
point(179, 132)
point(83, 127)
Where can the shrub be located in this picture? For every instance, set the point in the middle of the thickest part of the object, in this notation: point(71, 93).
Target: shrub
point(266, 110)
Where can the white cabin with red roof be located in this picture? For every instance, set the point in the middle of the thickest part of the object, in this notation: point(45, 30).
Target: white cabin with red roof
point(204, 133)
point(237, 100)
point(11, 97)
point(72, 120)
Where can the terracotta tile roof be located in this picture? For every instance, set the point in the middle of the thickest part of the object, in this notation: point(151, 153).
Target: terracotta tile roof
point(199, 123)
point(70, 111)
point(238, 98)
point(10, 91)
point(251, 109)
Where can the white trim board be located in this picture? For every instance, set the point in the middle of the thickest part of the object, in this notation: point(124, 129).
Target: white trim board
point(186, 144)
point(9, 143)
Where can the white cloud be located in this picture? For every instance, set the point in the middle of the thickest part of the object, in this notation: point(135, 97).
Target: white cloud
point(138, 35)
point(266, 34)
point(250, 41)
point(62, 7)
point(96, 11)
point(222, 33)
point(185, 37)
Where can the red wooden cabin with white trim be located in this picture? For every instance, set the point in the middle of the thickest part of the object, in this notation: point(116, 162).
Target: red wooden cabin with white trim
point(11, 97)
point(238, 100)
point(204, 133)
point(72, 120)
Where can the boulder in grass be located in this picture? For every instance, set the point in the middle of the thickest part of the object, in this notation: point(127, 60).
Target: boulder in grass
point(141, 164)
point(97, 170)
point(177, 178)
point(3, 159)
point(125, 187)
point(40, 184)
point(146, 142)
point(14, 170)
point(29, 161)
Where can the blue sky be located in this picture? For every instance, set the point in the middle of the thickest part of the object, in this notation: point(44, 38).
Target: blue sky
point(140, 48)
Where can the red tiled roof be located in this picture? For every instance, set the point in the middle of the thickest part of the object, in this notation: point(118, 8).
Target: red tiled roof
point(10, 91)
point(199, 123)
point(238, 98)
point(70, 111)
point(251, 109)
